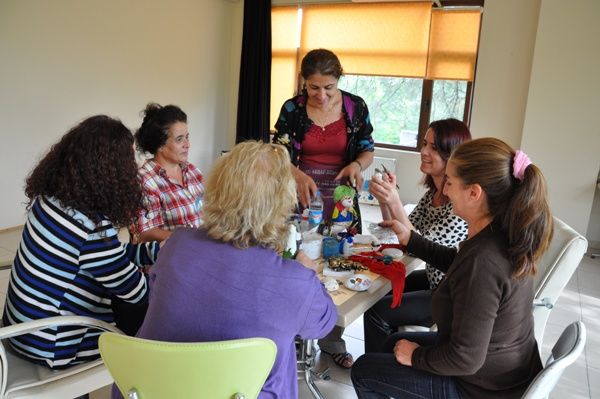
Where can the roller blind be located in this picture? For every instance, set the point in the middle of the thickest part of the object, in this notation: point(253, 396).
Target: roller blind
point(371, 39)
point(453, 44)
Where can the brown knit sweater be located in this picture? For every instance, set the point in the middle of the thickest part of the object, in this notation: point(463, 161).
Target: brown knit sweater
point(484, 318)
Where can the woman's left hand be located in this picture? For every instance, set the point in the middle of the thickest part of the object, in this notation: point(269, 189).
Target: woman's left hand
point(353, 173)
point(403, 351)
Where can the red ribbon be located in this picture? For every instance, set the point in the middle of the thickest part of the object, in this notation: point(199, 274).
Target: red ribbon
point(394, 271)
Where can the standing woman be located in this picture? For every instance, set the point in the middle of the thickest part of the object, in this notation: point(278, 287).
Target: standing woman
point(433, 218)
point(485, 345)
point(172, 186)
point(70, 261)
point(326, 130)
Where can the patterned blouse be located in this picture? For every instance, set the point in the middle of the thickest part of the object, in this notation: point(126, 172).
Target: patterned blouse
point(440, 225)
point(167, 203)
point(293, 123)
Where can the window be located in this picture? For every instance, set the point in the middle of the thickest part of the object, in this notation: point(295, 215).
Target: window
point(411, 63)
point(394, 104)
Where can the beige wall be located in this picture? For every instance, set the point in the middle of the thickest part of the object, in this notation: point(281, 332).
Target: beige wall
point(562, 123)
point(506, 47)
point(63, 60)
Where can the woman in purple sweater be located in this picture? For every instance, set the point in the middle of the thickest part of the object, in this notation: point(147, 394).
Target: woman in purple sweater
point(227, 280)
point(484, 346)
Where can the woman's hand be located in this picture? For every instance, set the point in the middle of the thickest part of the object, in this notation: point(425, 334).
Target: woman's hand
point(306, 261)
point(384, 189)
point(353, 172)
point(305, 186)
point(403, 351)
point(401, 230)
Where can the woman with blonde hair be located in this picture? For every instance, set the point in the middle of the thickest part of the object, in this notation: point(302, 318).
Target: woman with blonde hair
point(227, 279)
point(485, 345)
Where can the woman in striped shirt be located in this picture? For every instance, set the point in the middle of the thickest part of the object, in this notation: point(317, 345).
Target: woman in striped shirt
point(70, 261)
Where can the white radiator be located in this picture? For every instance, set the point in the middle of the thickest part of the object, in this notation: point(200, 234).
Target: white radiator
point(390, 163)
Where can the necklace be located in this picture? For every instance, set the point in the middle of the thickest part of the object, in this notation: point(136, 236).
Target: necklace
point(324, 117)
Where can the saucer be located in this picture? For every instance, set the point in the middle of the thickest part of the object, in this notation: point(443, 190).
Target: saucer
point(358, 282)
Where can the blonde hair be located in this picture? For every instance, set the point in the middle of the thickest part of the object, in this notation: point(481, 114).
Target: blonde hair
point(520, 208)
point(249, 195)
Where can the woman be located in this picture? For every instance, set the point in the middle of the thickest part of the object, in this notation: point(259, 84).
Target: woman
point(70, 261)
point(227, 280)
point(485, 345)
point(327, 132)
point(433, 218)
point(172, 186)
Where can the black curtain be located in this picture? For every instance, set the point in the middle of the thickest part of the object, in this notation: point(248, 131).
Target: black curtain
point(254, 95)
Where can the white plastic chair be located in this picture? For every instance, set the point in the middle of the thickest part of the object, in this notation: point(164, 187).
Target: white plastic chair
point(20, 378)
point(555, 269)
point(566, 350)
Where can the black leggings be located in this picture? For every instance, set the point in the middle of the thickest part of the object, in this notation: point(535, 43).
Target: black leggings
point(129, 316)
point(415, 310)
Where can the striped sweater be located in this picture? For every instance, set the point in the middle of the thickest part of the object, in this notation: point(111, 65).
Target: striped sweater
point(68, 265)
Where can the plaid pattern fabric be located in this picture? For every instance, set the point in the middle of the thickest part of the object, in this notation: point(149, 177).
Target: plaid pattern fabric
point(167, 204)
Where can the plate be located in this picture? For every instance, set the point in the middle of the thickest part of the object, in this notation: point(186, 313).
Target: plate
point(358, 282)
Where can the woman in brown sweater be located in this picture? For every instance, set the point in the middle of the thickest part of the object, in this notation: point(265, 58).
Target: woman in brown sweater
point(484, 347)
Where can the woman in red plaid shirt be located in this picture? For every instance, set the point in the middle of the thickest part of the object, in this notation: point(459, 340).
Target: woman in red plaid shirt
point(172, 186)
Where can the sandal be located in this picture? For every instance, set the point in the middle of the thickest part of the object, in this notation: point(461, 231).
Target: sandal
point(344, 360)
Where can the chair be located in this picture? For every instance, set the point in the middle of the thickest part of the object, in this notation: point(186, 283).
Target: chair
point(566, 350)
point(555, 269)
point(147, 369)
point(20, 378)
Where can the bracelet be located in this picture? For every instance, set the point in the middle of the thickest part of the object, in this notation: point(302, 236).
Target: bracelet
point(359, 165)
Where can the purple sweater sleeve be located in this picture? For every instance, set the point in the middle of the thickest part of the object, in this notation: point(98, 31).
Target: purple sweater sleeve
point(321, 315)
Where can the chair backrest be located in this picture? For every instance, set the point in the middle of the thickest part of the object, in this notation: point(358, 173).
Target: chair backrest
point(566, 350)
point(20, 378)
point(555, 269)
point(157, 369)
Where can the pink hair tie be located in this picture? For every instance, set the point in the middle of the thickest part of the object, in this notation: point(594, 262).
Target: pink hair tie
point(520, 163)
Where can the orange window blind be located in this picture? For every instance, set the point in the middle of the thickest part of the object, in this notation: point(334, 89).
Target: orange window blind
point(385, 39)
point(370, 39)
point(453, 44)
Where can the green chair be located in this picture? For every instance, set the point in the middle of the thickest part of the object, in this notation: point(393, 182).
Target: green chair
point(147, 369)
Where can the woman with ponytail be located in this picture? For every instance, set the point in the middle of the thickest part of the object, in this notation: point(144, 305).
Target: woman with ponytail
point(485, 345)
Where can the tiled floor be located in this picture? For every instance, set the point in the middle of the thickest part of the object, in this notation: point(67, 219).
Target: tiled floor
point(580, 301)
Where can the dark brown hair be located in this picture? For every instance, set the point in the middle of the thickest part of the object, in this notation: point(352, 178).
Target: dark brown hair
point(154, 131)
point(448, 134)
point(91, 169)
point(321, 61)
point(520, 208)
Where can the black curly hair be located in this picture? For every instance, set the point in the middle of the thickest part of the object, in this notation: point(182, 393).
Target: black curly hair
point(91, 169)
point(154, 131)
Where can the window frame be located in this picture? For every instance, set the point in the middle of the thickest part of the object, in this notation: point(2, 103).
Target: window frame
point(427, 89)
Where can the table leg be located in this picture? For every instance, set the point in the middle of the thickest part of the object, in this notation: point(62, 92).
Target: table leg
point(307, 354)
